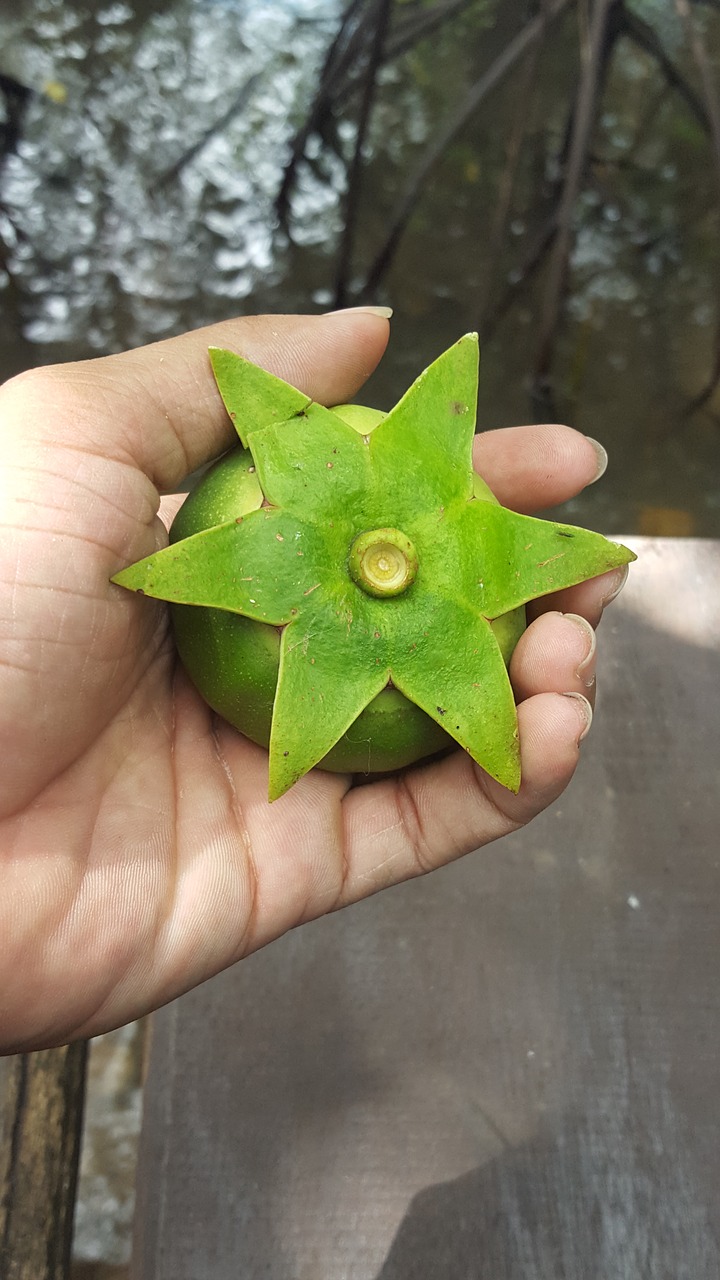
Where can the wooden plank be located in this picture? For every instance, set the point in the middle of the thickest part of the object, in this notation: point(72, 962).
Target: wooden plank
point(41, 1104)
point(510, 1068)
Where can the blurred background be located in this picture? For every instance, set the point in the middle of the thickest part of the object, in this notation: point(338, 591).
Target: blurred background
point(544, 171)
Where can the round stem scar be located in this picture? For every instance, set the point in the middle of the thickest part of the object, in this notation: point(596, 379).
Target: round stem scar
point(383, 562)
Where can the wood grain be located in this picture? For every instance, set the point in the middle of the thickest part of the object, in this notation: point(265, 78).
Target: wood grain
point(506, 1071)
point(41, 1102)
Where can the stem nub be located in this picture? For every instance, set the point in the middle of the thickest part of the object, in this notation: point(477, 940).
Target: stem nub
point(383, 562)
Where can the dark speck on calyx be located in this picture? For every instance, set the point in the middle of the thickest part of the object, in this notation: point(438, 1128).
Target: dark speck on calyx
point(458, 407)
point(286, 753)
point(442, 710)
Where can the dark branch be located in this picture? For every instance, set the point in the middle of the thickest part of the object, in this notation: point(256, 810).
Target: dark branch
point(712, 103)
point(339, 56)
point(522, 274)
point(506, 184)
point(647, 39)
point(420, 26)
point(238, 104)
point(600, 42)
point(384, 9)
point(504, 63)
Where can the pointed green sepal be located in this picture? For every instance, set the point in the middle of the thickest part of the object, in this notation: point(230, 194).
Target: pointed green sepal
point(315, 465)
point(510, 559)
point(422, 450)
point(253, 397)
point(332, 664)
point(455, 671)
point(266, 565)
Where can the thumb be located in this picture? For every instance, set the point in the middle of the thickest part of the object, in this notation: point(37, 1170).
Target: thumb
point(159, 409)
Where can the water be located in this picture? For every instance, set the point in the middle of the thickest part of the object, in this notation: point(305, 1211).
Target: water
point(109, 245)
point(140, 201)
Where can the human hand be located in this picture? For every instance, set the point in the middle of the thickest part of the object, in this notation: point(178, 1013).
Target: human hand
point(138, 853)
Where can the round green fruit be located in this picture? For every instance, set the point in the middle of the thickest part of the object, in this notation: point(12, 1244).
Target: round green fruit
point(346, 590)
point(234, 660)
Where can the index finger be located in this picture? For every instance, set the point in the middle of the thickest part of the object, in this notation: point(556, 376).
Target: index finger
point(532, 468)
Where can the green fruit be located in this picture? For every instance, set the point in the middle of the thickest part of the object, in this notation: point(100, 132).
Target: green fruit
point(234, 661)
point(346, 590)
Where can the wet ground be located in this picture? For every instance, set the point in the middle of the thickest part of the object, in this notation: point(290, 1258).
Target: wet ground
point(139, 198)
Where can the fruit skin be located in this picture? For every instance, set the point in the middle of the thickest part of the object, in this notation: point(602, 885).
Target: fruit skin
point(233, 661)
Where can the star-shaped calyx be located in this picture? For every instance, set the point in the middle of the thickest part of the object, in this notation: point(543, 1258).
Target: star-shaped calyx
point(383, 558)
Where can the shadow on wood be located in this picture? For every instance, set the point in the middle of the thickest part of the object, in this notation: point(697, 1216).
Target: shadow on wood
point(508, 1069)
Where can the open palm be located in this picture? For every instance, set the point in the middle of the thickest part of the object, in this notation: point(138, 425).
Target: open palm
point(138, 853)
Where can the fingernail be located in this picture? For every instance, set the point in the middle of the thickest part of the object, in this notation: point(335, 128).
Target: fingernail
point(384, 312)
point(602, 458)
point(615, 586)
point(585, 713)
point(587, 666)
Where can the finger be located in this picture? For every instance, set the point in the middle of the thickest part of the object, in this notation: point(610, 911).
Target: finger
point(531, 468)
point(158, 407)
point(169, 507)
point(557, 654)
point(435, 813)
point(588, 599)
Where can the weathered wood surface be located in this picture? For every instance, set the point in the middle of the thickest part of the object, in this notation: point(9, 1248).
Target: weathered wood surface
point(41, 1103)
point(507, 1071)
